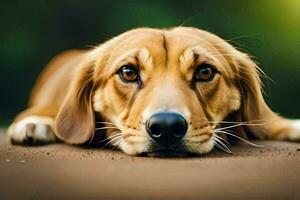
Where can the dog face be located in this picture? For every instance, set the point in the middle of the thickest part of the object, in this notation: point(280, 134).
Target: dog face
point(161, 90)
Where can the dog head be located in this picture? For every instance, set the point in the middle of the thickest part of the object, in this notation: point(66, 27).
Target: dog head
point(161, 91)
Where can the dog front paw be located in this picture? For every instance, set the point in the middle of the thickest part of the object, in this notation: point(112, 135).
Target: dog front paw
point(294, 135)
point(33, 130)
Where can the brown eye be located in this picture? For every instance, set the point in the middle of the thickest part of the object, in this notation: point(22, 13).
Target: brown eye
point(128, 73)
point(205, 73)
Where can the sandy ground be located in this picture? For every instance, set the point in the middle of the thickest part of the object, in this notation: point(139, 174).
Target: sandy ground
point(65, 172)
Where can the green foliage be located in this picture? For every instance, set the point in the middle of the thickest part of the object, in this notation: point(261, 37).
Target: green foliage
point(34, 31)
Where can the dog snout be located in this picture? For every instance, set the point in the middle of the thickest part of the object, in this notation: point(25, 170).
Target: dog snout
point(166, 128)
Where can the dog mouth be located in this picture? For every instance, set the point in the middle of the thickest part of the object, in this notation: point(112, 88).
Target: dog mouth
point(168, 153)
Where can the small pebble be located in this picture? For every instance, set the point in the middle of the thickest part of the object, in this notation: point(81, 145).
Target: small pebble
point(7, 160)
point(22, 161)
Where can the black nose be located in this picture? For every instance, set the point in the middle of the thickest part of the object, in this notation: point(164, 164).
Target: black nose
point(166, 128)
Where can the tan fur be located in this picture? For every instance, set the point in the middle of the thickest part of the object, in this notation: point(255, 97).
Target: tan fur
point(78, 84)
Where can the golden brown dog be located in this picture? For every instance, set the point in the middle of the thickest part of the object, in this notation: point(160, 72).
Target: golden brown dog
point(156, 92)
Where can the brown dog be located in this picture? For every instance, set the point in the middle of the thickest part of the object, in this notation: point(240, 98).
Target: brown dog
point(156, 91)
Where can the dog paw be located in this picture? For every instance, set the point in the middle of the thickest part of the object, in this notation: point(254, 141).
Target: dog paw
point(295, 133)
point(33, 130)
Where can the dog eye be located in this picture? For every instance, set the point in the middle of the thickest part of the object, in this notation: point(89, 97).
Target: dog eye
point(128, 73)
point(205, 73)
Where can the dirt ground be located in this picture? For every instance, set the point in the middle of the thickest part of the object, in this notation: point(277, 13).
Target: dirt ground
point(65, 172)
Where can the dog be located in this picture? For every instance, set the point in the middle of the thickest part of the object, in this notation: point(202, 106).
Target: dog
point(152, 92)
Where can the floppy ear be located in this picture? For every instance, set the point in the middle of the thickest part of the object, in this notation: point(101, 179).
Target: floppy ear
point(254, 108)
point(75, 121)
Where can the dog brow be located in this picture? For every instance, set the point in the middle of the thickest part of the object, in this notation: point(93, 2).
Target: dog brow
point(165, 46)
point(196, 58)
point(144, 59)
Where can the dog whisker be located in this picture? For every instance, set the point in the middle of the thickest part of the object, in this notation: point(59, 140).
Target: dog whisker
point(237, 125)
point(220, 147)
point(92, 138)
point(188, 19)
point(222, 144)
point(231, 122)
point(242, 139)
point(115, 134)
point(219, 144)
point(224, 140)
point(113, 140)
point(103, 128)
point(119, 140)
point(116, 145)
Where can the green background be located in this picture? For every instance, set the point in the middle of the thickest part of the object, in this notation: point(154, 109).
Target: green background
point(32, 32)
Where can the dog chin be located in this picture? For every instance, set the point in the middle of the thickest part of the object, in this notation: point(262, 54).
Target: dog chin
point(166, 153)
point(201, 149)
point(133, 150)
point(145, 150)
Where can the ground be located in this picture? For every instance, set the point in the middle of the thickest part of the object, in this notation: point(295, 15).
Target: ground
point(66, 172)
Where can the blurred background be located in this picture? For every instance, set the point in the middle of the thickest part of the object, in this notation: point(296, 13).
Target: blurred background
point(32, 32)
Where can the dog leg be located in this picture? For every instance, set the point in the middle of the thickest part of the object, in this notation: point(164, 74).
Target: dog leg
point(278, 129)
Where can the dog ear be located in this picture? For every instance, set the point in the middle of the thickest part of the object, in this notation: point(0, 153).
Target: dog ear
point(266, 123)
point(75, 121)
